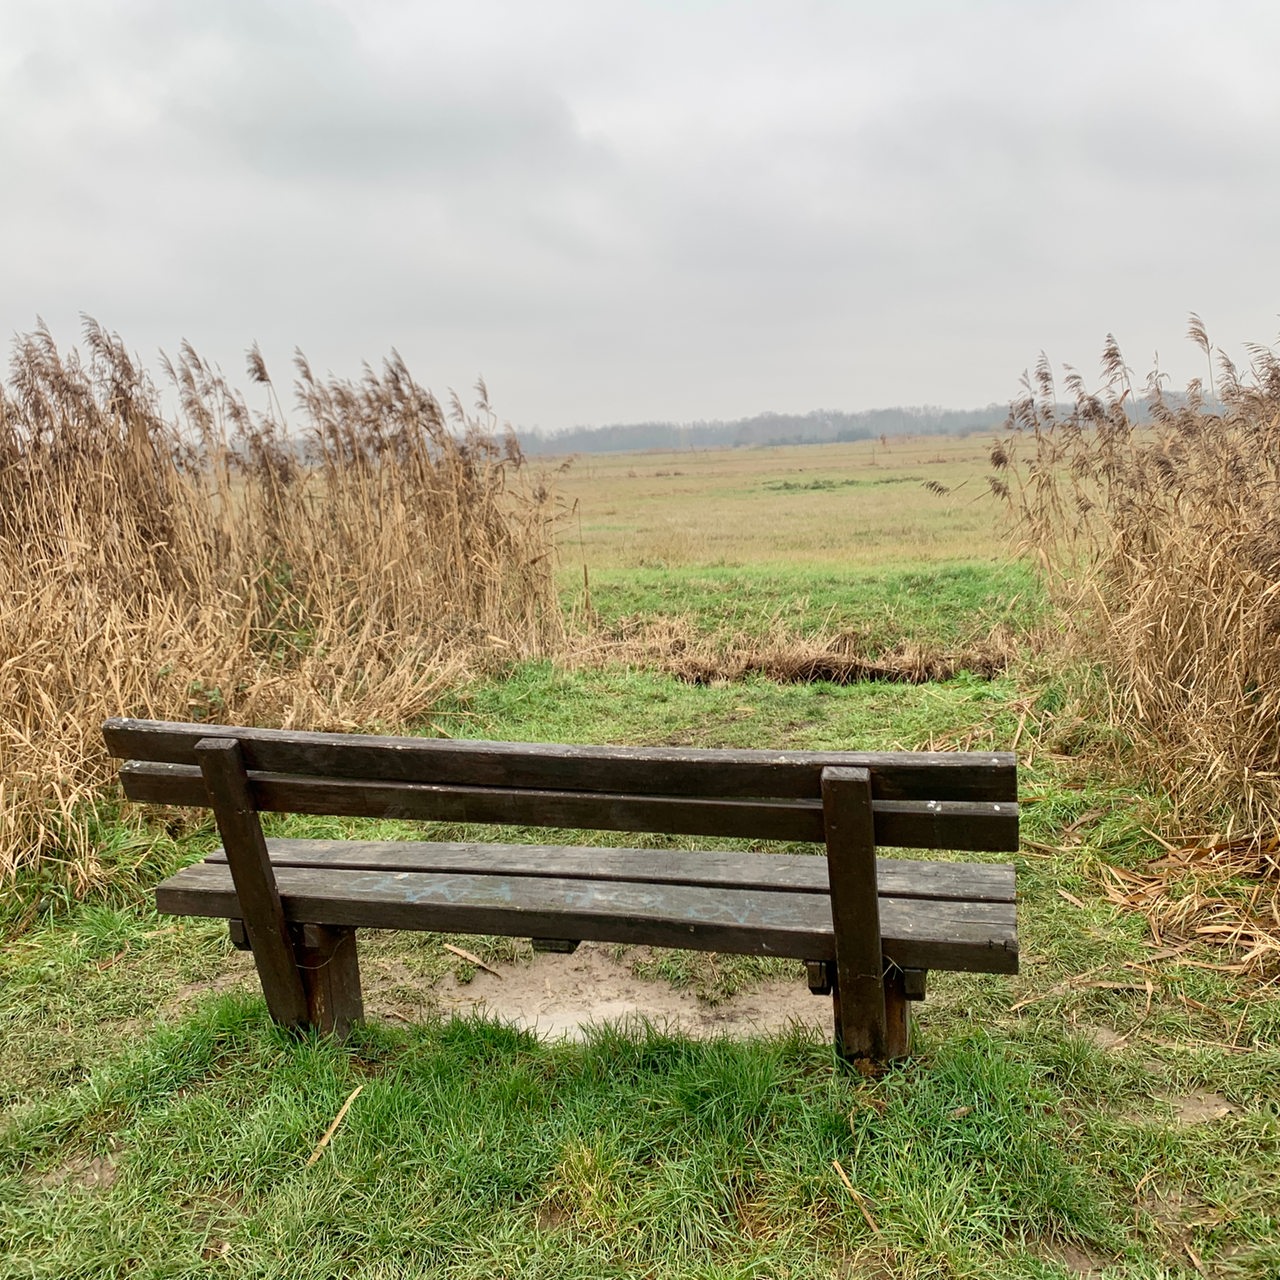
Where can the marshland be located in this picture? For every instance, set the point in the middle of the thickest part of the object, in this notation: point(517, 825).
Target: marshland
point(1094, 584)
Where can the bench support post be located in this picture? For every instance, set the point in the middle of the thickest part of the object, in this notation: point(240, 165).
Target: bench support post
point(858, 993)
point(901, 987)
point(227, 784)
point(327, 960)
point(326, 956)
point(897, 1013)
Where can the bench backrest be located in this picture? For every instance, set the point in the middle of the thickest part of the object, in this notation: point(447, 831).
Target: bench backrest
point(921, 800)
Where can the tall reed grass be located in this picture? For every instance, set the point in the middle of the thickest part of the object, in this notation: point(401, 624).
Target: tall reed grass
point(177, 554)
point(1160, 531)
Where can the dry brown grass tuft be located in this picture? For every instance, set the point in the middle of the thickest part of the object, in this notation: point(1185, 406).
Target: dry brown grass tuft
point(209, 562)
point(1162, 543)
point(674, 645)
point(1220, 891)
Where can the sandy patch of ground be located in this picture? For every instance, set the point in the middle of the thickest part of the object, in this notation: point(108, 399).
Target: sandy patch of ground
point(560, 995)
point(91, 1173)
point(556, 995)
point(1199, 1107)
point(1104, 1037)
point(1079, 1261)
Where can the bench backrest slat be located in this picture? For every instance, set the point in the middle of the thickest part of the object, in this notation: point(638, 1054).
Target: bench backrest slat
point(913, 824)
point(668, 771)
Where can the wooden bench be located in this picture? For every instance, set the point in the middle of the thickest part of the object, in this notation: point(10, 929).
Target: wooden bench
point(868, 928)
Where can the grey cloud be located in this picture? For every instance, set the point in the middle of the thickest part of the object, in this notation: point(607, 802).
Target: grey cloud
point(350, 128)
point(623, 212)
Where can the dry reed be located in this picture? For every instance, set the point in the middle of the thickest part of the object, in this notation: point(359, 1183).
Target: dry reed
point(1162, 542)
point(1160, 536)
point(206, 561)
point(1217, 891)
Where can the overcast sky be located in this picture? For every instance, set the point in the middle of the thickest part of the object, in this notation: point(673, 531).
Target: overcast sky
point(642, 210)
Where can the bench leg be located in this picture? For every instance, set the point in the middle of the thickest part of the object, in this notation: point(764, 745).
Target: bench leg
point(227, 782)
point(330, 970)
point(858, 993)
point(899, 992)
point(897, 1013)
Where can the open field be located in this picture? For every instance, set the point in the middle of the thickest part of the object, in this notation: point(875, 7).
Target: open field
point(863, 504)
point(1110, 1112)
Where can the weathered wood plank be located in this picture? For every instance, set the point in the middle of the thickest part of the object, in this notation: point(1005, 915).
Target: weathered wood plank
point(249, 867)
point(920, 934)
point(804, 873)
point(919, 824)
point(855, 914)
point(919, 775)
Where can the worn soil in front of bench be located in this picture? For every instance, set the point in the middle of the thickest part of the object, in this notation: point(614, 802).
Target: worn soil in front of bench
point(557, 995)
point(561, 995)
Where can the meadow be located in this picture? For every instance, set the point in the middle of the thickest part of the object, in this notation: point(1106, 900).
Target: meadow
point(1110, 1112)
point(910, 499)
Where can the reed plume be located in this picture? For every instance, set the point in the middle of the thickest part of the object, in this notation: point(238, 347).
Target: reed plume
point(1158, 524)
point(171, 552)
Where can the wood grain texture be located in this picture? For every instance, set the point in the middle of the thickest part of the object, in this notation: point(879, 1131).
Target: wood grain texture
point(227, 789)
point(980, 937)
point(901, 775)
point(855, 914)
point(330, 969)
point(804, 873)
point(897, 1014)
point(917, 824)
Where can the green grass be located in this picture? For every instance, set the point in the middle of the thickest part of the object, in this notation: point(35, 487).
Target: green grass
point(474, 1149)
point(156, 1124)
point(826, 485)
point(846, 505)
point(540, 702)
point(939, 605)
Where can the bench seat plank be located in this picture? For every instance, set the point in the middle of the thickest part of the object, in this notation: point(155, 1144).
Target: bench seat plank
point(918, 933)
point(804, 873)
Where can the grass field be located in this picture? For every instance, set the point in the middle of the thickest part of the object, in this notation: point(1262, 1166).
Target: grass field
point(1112, 1111)
point(865, 504)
